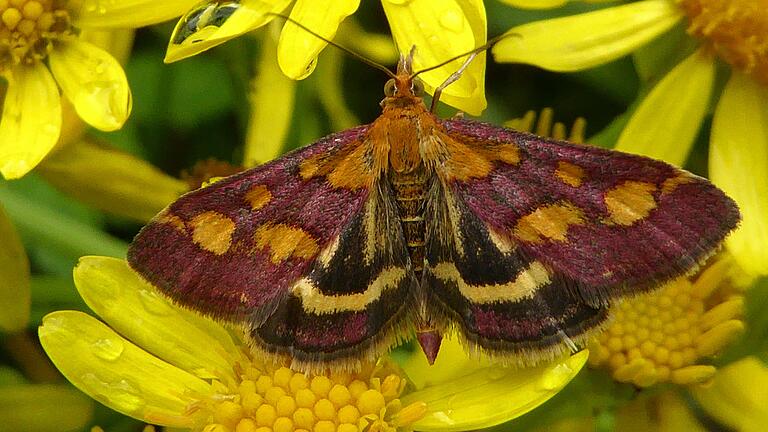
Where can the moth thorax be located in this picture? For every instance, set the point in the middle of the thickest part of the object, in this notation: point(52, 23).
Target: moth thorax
point(410, 193)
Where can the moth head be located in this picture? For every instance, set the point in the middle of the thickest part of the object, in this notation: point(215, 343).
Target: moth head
point(402, 86)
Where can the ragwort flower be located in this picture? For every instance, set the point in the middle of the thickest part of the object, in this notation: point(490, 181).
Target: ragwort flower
point(440, 29)
point(171, 367)
point(664, 335)
point(46, 51)
point(666, 122)
point(42, 51)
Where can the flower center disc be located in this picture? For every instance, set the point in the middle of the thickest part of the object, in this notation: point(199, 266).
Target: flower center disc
point(737, 30)
point(27, 29)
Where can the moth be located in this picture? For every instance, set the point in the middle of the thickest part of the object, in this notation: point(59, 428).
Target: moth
point(336, 252)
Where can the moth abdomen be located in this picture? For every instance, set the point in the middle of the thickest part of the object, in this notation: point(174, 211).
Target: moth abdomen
point(410, 191)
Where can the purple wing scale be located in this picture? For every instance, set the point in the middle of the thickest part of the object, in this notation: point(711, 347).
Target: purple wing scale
point(528, 251)
point(314, 269)
point(243, 281)
point(640, 221)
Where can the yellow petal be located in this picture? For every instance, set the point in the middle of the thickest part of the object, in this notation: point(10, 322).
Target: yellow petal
point(375, 46)
point(43, 407)
point(452, 362)
point(117, 373)
point(213, 23)
point(737, 396)
point(693, 374)
point(297, 50)
point(117, 42)
point(582, 41)
point(667, 121)
point(31, 120)
point(535, 4)
point(137, 311)
point(271, 107)
point(331, 94)
point(492, 395)
point(738, 163)
point(94, 82)
point(14, 278)
point(111, 180)
point(661, 412)
point(130, 13)
point(441, 29)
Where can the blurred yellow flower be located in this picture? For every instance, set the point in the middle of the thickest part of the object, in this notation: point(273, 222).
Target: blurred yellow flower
point(440, 29)
point(738, 395)
point(171, 367)
point(666, 122)
point(15, 293)
point(43, 407)
point(44, 51)
point(661, 336)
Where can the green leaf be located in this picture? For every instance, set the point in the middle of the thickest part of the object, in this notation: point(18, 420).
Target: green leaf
point(200, 88)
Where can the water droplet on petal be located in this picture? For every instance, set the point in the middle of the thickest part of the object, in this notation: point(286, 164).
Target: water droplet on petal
point(496, 373)
point(309, 69)
point(444, 417)
point(154, 303)
point(102, 96)
point(555, 377)
point(108, 349)
point(452, 20)
point(121, 395)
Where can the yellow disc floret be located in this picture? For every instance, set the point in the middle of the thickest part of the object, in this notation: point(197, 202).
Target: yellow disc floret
point(737, 30)
point(28, 29)
point(279, 399)
point(661, 336)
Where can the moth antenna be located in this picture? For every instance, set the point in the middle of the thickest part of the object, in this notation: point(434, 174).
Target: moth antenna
point(451, 79)
point(456, 75)
point(360, 57)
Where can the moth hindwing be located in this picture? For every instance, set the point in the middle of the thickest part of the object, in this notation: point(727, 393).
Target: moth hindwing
point(338, 251)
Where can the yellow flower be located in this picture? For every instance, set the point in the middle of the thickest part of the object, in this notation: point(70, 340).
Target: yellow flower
point(42, 407)
point(45, 51)
point(110, 180)
point(171, 367)
point(662, 336)
point(440, 29)
point(666, 122)
point(658, 412)
point(738, 395)
point(546, 128)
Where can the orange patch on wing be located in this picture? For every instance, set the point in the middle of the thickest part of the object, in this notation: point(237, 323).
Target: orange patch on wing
point(258, 196)
point(285, 242)
point(550, 222)
point(570, 174)
point(672, 183)
point(353, 171)
point(506, 152)
point(349, 169)
point(630, 202)
point(212, 231)
point(464, 161)
point(166, 217)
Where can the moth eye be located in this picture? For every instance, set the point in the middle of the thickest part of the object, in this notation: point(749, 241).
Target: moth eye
point(390, 88)
point(417, 87)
